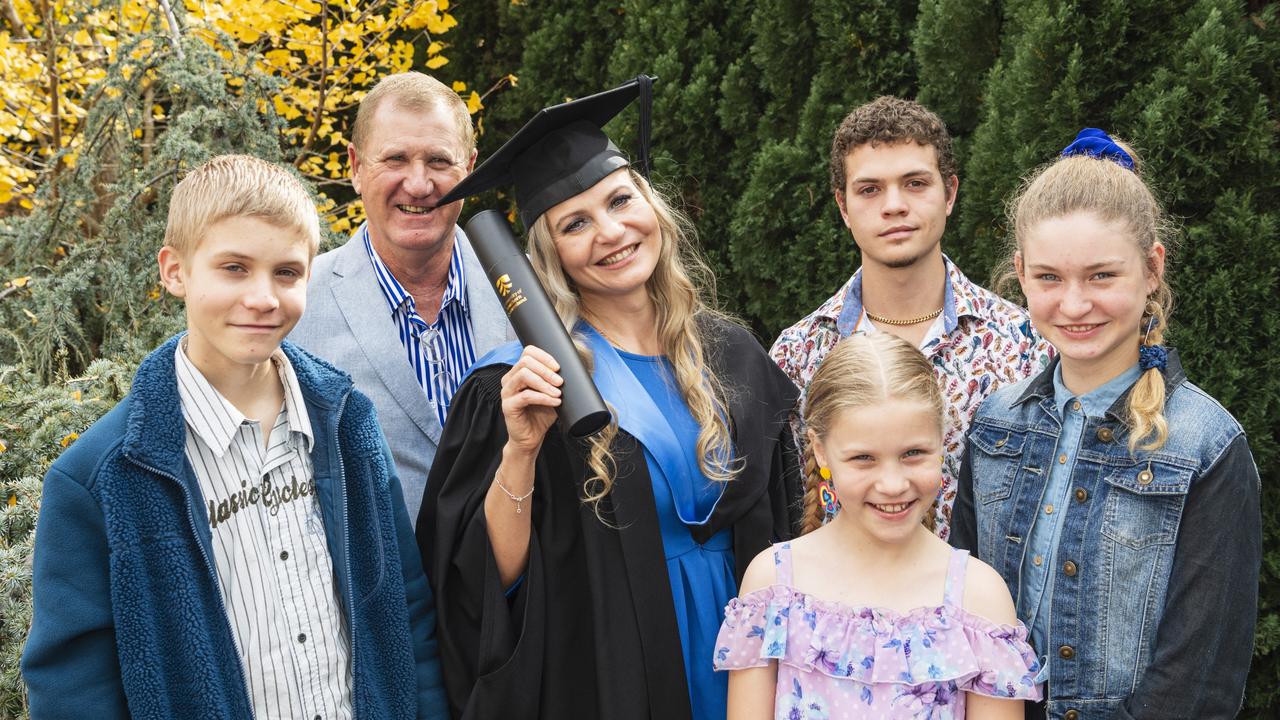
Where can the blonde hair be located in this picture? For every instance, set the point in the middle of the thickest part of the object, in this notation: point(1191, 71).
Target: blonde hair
point(239, 186)
point(859, 371)
point(416, 92)
point(676, 289)
point(1113, 194)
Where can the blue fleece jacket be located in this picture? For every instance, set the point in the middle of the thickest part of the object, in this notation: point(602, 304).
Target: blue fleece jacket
point(128, 619)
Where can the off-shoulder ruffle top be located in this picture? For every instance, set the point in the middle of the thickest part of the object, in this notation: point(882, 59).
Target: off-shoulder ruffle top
point(836, 661)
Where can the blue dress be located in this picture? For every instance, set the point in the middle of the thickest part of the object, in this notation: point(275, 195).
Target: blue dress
point(701, 576)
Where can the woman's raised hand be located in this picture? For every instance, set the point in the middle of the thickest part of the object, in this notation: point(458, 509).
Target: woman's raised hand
point(530, 396)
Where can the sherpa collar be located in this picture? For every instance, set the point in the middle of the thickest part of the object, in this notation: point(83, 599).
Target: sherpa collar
point(155, 434)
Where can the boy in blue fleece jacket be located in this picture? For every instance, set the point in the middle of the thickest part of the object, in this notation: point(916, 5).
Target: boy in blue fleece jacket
point(230, 541)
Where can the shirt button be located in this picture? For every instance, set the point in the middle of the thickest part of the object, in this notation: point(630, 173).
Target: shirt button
point(1081, 495)
point(1071, 715)
point(1105, 434)
point(284, 554)
point(302, 637)
point(318, 717)
point(1038, 560)
point(1062, 459)
point(1048, 509)
point(1066, 652)
point(1075, 405)
point(1069, 569)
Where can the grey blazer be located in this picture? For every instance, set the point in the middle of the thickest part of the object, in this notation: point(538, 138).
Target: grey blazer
point(347, 323)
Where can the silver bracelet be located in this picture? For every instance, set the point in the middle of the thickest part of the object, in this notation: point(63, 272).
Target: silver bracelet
point(519, 500)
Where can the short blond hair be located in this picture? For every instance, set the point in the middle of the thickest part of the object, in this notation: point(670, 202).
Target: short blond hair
point(417, 92)
point(239, 186)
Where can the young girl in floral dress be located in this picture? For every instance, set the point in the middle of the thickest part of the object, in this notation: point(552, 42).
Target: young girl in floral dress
point(870, 615)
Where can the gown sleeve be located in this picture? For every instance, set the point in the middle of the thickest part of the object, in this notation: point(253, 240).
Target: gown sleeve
point(787, 486)
point(478, 623)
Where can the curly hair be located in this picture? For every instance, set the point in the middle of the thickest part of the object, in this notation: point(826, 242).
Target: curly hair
point(888, 120)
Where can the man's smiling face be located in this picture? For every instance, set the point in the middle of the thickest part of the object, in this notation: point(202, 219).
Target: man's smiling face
point(410, 159)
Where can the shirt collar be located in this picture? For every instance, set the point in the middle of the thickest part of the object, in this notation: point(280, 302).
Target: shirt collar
point(959, 300)
point(394, 293)
point(1095, 402)
point(216, 421)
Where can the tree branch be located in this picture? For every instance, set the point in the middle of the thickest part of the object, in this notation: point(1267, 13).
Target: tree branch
point(51, 64)
point(174, 35)
point(15, 22)
point(148, 122)
point(323, 88)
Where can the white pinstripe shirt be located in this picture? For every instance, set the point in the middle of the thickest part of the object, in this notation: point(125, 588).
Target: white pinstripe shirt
point(274, 570)
point(439, 352)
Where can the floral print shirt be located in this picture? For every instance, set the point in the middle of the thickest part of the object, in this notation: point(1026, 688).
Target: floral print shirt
point(835, 661)
point(979, 343)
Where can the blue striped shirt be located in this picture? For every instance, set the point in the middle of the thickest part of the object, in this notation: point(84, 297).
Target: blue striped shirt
point(441, 352)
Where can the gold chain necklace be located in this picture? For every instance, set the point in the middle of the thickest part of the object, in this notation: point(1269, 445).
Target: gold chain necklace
point(912, 321)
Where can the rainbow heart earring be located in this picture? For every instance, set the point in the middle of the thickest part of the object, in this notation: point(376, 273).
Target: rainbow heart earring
point(827, 495)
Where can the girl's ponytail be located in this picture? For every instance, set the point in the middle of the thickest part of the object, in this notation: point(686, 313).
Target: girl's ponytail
point(1148, 428)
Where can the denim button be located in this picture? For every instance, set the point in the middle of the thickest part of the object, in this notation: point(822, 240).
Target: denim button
point(1145, 477)
point(1071, 715)
point(1069, 569)
point(1062, 459)
point(1105, 434)
point(1048, 509)
point(1081, 495)
point(1066, 652)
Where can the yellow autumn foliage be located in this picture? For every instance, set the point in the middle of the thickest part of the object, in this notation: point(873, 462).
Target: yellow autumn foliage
point(327, 54)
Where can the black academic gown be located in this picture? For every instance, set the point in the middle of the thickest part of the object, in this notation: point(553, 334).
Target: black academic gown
point(590, 630)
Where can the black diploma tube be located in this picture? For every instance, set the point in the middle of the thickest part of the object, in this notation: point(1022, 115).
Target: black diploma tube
point(582, 410)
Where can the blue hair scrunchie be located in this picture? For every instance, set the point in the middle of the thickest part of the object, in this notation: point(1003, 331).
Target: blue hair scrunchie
point(1153, 356)
point(1096, 143)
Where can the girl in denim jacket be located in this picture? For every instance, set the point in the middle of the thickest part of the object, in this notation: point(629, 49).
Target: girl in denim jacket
point(1119, 501)
point(869, 614)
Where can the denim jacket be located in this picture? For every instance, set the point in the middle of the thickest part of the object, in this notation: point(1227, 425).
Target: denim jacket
point(1154, 596)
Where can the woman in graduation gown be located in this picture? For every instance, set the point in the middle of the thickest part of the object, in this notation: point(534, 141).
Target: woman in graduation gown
point(587, 579)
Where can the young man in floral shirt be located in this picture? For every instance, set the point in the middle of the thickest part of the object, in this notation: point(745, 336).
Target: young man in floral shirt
point(893, 174)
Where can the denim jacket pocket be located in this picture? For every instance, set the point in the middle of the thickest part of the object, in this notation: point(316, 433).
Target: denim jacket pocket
point(1144, 504)
point(996, 454)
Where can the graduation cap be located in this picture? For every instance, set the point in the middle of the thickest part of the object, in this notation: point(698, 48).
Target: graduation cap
point(562, 151)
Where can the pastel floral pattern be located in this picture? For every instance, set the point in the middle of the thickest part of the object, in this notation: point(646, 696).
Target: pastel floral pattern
point(988, 342)
point(838, 661)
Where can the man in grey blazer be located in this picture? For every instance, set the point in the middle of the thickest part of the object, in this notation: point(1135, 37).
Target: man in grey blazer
point(403, 306)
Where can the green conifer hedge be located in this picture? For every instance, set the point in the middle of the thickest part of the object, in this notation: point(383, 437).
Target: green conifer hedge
point(748, 96)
